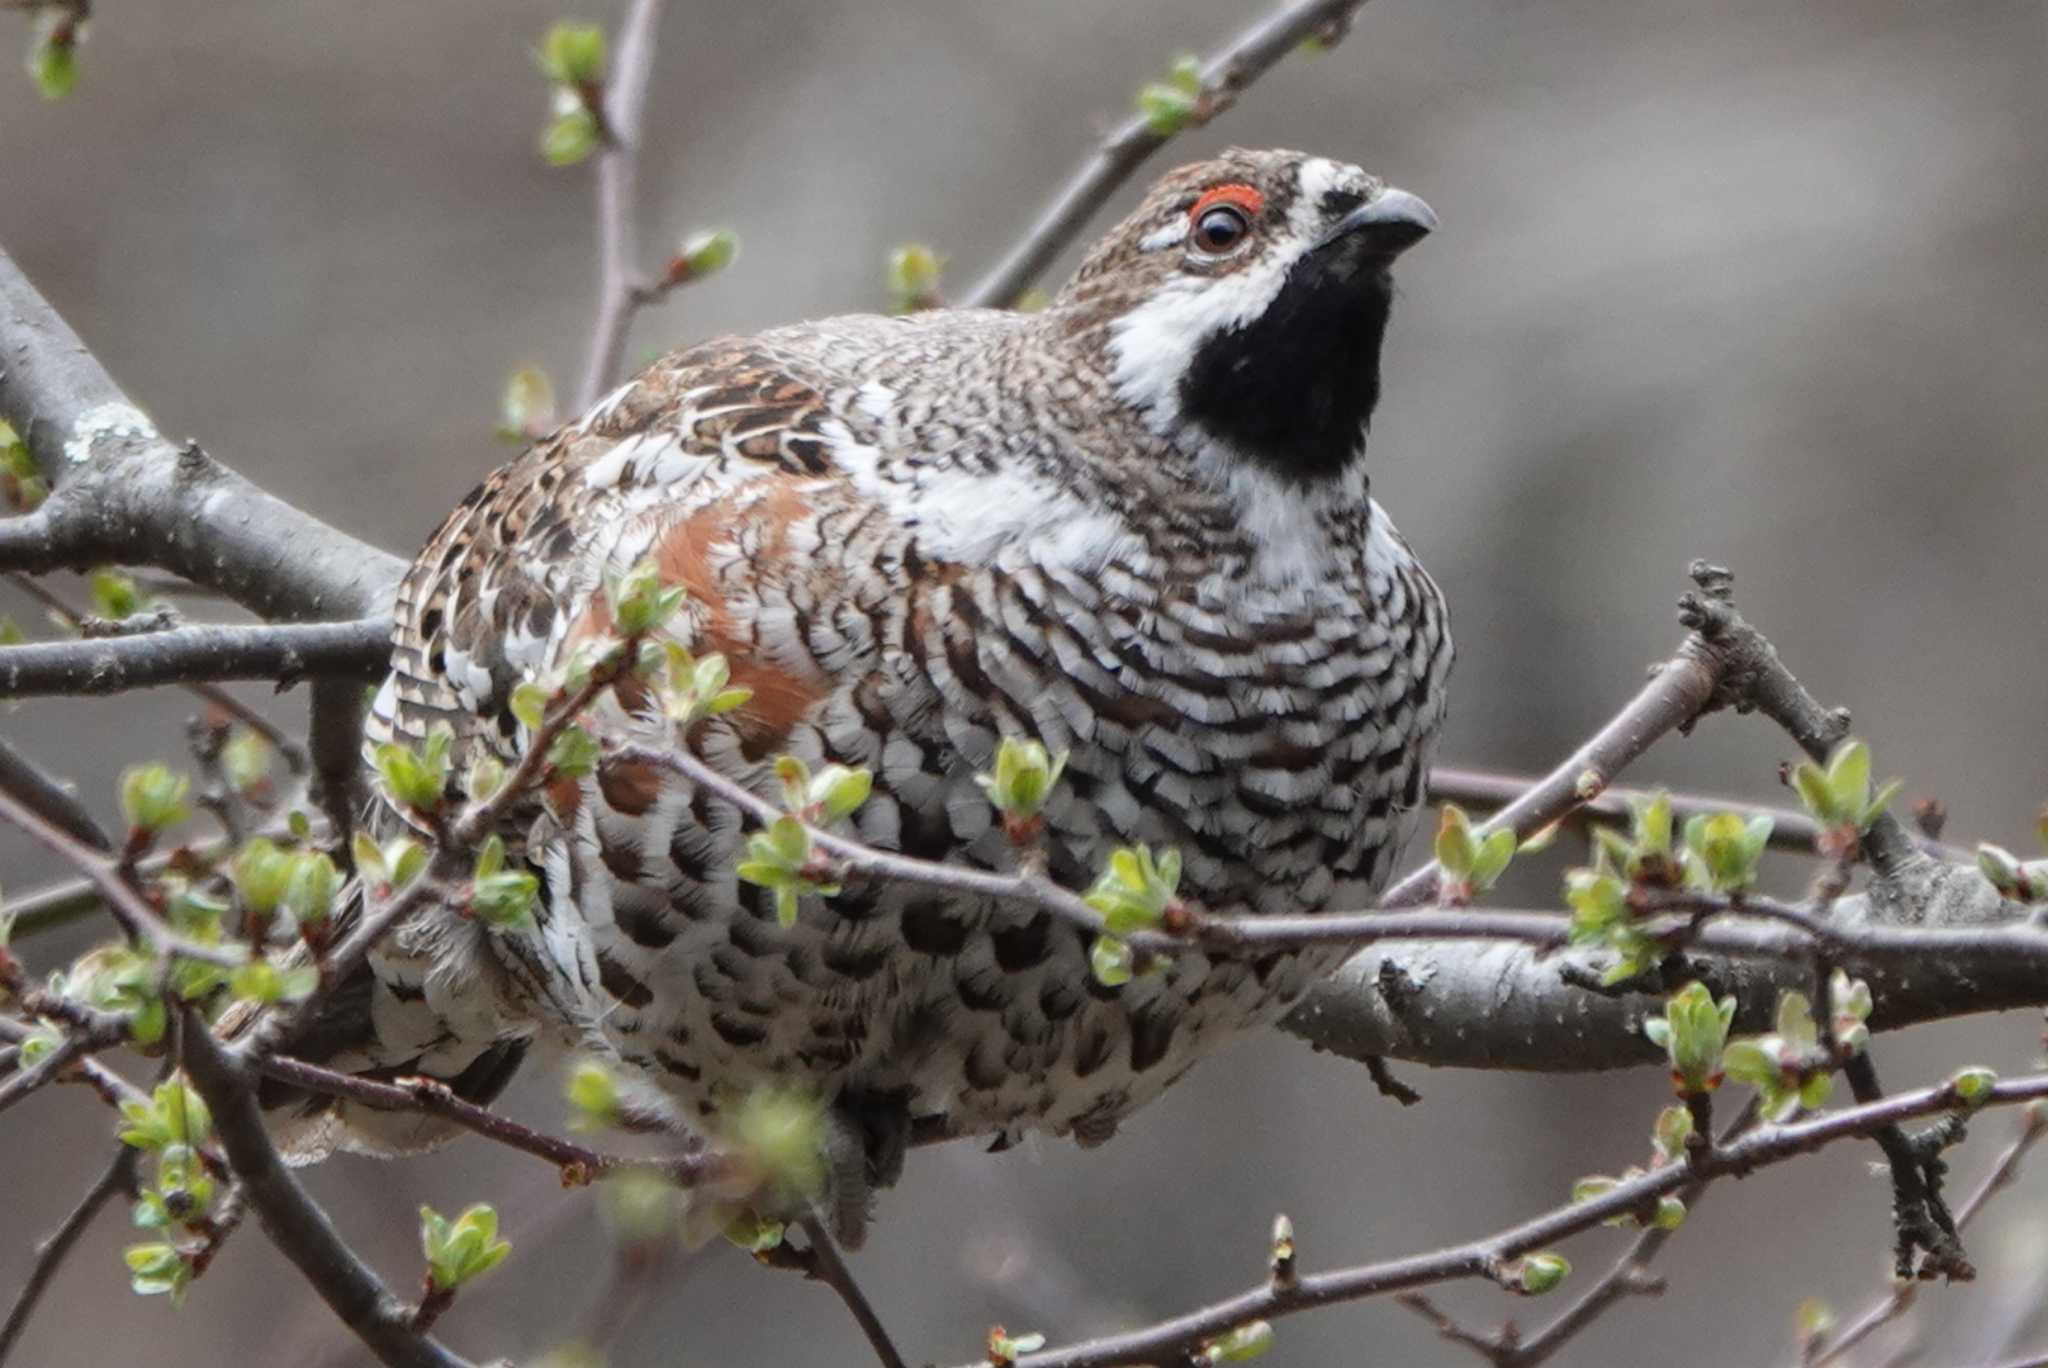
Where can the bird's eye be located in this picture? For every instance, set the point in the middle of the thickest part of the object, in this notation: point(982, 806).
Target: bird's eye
point(1220, 228)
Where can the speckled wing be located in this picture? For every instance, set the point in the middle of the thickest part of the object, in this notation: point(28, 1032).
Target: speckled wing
point(500, 586)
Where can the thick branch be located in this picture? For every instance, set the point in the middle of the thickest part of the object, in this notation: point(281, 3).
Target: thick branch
point(124, 493)
point(357, 649)
point(1224, 77)
point(295, 1222)
point(1509, 1006)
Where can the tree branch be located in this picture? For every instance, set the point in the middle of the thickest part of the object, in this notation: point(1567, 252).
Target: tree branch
point(824, 1263)
point(1489, 1256)
point(295, 1222)
point(123, 492)
point(285, 652)
point(27, 781)
point(119, 1179)
point(129, 907)
point(579, 1163)
point(2033, 1125)
point(1421, 1001)
point(1225, 76)
point(618, 176)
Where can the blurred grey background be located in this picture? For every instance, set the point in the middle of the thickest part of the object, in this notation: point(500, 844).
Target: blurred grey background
point(1756, 281)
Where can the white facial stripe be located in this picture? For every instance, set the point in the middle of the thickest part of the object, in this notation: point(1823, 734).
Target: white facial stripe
point(1172, 235)
point(1154, 344)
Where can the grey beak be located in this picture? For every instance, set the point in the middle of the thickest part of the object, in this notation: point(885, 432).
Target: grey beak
point(1392, 222)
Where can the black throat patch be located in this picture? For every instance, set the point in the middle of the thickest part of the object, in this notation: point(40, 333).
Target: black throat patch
point(1295, 388)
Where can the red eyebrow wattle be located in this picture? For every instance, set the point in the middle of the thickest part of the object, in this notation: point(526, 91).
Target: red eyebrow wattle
point(1244, 197)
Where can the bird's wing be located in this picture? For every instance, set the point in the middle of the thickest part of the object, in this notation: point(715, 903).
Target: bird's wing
point(727, 442)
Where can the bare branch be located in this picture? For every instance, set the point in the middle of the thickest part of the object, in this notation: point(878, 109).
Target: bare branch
point(1489, 1256)
point(294, 755)
point(295, 1222)
point(357, 649)
point(1225, 76)
point(578, 1163)
point(118, 1180)
point(1896, 1302)
point(618, 177)
point(125, 493)
point(27, 781)
point(825, 1264)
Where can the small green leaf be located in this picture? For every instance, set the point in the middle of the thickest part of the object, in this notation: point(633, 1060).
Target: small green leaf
point(640, 601)
point(703, 254)
point(1541, 1273)
point(461, 1250)
point(1242, 1344)
point(158, 1269)
point(245, 759)
point(1111, 960)
point(114, 595)
point(573, 54)
point(314, 884)
point(753, 1233)
point(1973, 1085)
point(1455, 849)
point(53, 61)
point(1167, 108)
point(574, 753)
point(153, 798)
point(1023, 779)
point(262, 874)
point(570, 137)
point(1692, 1032)
point(529, 703)
point(593, 1093)
point(914, 275)
point(781, 1134)
point(528, 407)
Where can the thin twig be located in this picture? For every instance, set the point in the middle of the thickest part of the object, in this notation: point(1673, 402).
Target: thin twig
point(1791, 830)
point(1225, 76)
point(618, 175)
point(579, 1163)
point(45, 1071)
point(118, 1179)
point(1488, 1257)
point(826, 1265)
point(1676, 694)
point(128, 906)
point(1628, 1276)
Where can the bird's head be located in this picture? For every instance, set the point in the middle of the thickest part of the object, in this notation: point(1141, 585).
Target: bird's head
point(1244, 302)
